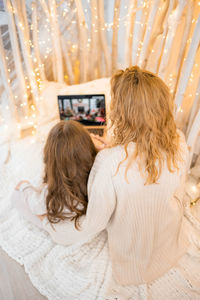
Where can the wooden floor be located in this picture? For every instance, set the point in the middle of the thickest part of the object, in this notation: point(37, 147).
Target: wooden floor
point(14, 282)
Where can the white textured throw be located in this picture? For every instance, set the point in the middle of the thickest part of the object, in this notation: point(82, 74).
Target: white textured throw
point(80, 271)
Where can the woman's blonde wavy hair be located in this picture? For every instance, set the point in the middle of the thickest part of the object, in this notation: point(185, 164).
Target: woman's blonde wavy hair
point(142, 112)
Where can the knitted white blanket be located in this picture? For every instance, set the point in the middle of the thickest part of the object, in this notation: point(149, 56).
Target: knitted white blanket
point(80, 271)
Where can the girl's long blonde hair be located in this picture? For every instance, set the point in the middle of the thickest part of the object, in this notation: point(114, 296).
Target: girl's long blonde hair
point(141, 111)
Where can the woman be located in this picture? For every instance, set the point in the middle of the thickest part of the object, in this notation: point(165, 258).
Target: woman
point(135, 192)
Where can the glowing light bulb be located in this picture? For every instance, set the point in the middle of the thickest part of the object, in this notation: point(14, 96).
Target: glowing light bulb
point(194, 189)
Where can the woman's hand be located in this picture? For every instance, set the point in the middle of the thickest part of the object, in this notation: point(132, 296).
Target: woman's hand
point(41, 217)
point(20, 183)
point(99, 142)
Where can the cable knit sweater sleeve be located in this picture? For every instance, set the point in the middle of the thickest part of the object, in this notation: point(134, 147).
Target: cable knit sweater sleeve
point(101, 205)
point(34, 198)
point(19, 201)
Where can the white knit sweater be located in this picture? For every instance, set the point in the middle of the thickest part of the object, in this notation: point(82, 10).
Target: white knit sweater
point(145, 224)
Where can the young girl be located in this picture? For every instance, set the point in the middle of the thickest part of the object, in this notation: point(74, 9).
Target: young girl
point(69, 154)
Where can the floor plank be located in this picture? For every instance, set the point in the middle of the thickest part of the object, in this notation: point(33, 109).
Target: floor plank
point(14, 282)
